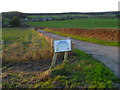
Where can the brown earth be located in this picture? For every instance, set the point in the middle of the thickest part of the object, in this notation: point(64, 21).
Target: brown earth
point(98, 33)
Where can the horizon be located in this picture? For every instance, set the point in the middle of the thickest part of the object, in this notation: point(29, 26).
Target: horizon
point(63, 12)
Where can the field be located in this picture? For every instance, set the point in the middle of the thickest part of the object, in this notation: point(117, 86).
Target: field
point(81, 23)
point(27, 58)
point(100, 31)
point(22, 45)
point(23, 51)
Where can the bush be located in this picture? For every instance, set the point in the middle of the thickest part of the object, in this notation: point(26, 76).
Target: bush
point(15, 22)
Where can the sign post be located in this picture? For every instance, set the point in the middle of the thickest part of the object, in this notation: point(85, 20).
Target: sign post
point(65, 56)
point(61, 46)
point(54, 60)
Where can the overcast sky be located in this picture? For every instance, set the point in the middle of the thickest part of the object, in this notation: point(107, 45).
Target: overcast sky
point(56, 6)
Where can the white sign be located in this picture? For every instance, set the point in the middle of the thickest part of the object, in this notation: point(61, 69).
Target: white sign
point(62, 45)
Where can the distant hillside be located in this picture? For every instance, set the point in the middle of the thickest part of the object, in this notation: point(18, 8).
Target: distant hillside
point(71, 15)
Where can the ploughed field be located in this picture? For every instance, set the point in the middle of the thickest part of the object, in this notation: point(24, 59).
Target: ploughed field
point(103, 34)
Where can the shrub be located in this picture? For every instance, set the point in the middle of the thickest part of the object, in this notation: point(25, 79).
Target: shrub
point(15, 22)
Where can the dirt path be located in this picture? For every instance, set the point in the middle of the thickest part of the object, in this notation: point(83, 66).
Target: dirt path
point(107, 54)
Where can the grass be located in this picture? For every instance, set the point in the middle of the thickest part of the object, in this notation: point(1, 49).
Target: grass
point(93, 40)
point(82, 23)
point(81, 70)
point(31, 55)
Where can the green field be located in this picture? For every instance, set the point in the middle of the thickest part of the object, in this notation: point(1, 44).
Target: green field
point(27, 58)
point(81, 23)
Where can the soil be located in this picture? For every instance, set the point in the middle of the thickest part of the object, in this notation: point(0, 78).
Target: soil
point(98, 33)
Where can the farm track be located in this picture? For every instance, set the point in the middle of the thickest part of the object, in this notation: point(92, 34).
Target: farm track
point(106, 54)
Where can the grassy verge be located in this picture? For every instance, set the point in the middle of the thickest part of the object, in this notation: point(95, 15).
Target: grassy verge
point(80, 71)
point(93, 40)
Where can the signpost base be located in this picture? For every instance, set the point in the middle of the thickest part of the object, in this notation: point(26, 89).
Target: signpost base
point(53, 61)
point(65, 56)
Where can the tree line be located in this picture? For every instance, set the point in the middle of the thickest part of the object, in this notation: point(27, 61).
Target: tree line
point(12, 19)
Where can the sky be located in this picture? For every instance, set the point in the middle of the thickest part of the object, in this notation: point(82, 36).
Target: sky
point(57, 6)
